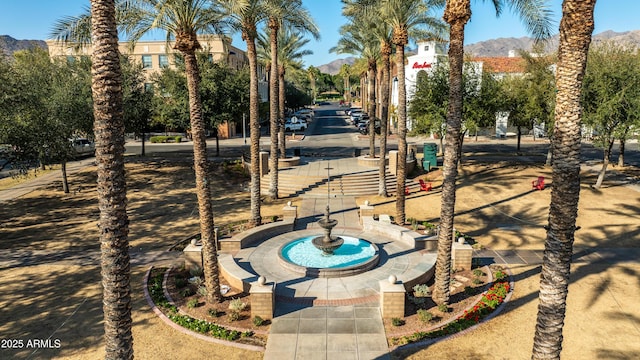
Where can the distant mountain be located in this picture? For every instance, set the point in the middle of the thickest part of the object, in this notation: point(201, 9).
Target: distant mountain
point(502, 46)
point(333, 67)
point(9, 45)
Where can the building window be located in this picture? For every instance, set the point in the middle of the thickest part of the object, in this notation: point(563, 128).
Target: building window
point(163, 60)
point(146, 62)
point(426, 48)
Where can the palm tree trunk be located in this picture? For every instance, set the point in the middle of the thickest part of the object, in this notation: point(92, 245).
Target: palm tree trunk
point(203, 184)
point(402, 137)
point(112, 194)
point(273, 110)
point(372, 108)
point(281, 109)
point(576, 27)
point(384, 121)
point(457, 13)
point(254, 125)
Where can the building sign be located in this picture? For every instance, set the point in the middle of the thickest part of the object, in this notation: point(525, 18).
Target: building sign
point(424, 65)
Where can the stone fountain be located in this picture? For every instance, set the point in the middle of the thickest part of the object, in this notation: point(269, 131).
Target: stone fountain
point(327, 243)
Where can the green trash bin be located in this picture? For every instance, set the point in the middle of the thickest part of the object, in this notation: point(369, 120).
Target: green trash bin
point(429, 150)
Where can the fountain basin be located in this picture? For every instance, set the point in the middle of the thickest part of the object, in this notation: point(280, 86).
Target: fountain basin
point(355, 256)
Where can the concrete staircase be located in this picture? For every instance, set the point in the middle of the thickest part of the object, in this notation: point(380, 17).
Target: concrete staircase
point(354, 184)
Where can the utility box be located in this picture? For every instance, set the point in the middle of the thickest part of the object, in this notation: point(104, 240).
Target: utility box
point(430, 159)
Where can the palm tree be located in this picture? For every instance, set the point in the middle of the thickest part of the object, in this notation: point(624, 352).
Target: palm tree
point(576, 27)
point(404, 16)
point(184, 20)
point(112, 193)
point(244, 16)
point(312, 74)
point(288, 13)
point(457, 12)
point(345, 73)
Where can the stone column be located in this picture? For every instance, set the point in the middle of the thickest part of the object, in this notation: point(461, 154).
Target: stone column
point(264, 163)
point(461, 255)
point(366, 210)
point(192, 256)
point(393, 162)
point(263, 299)
point(392, 294)
point(290, 212)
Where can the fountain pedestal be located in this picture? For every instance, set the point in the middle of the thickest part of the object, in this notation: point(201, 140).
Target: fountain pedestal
point(327, 243)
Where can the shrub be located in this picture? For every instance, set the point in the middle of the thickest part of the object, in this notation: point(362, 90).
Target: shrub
point(428, 225)
point(177, 138)
point(424, 315)
point(234, 315)
point(192, 303)
point(202, 290)
point(418, 301)
point(500, 275)
point(443, 308)
point(196, 280)
point(397, 321)
point(258, 321)
point(478, 272)
point(186, 292)
point(477, 281)
point(421, 290)
point(180, 282)
point(196, 271)
point(213, 313)
point(237, 305)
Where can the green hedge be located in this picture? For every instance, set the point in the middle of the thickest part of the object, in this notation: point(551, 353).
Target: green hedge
point(165, 139)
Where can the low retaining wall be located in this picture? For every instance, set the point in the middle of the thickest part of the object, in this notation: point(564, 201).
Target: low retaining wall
point(255, 235)
point(237, 277)
point(399, 233)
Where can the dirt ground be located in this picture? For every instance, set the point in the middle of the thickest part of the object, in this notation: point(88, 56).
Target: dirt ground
point(60, 300)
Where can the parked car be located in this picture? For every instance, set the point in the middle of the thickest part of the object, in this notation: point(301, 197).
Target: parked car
point(351, 109)
point(83, 147)
point(355, 116)
point(295, 124)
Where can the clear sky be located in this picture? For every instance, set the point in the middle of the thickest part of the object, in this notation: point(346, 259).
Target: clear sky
point(24, 19)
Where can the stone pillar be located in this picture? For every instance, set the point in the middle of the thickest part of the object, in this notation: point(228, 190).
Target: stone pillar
point(393, 162)
point(392, 294)
point(461, 255)
point(366, 210)
point(192, 256)
point(263, 299)
point(290, 212)
point(264, 163)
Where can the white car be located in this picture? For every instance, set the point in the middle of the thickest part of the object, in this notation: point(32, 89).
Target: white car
point(295, 124)
point(83, 147)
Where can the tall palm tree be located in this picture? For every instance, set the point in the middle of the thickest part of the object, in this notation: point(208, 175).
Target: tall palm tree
point(457, 13)
point(287, 13)
point(112, 193)
point(576, 27)
point(183, 20)
point(312, 74)
point(245, 16)
point(404, 16)
point(345, 73)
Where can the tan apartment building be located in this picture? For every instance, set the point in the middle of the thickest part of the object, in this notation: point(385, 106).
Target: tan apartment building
point(158, 54)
